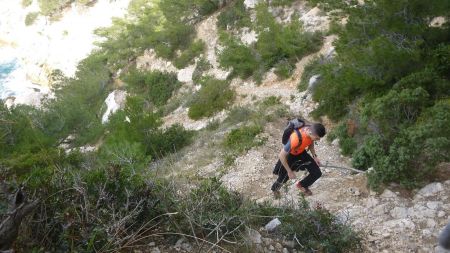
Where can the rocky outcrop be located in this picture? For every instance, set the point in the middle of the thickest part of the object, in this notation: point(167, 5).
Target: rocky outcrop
point(49, 45)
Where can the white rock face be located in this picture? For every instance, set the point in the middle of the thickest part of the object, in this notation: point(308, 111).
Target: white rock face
point(250, 4)
point(430, 190)
point(114, 101)
point(248, 36)
point(400, 224)
point(313, 21)
point(313, 81)
point(185, 75)
point(60, 44)
point(48, 45)
point(399, 212)
point(207, 32)
point(151, 62)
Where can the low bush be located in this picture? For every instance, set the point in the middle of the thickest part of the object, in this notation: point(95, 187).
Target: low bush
point(214, 96)
point(346, 141)
point(52, 7)
point(278, 46)
point(281, 2)
point(284, 69)
point(155, 87)
point(412, 158)
point(243, 139)
point(30, 18)
point(319, 230)
point(237, 56)
point(26, 3)
point(371, 150)
point(188, 55)
point(203, 65)
point(234, 16)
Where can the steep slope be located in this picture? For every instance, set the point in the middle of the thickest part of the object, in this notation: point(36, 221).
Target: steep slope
point(389, 222)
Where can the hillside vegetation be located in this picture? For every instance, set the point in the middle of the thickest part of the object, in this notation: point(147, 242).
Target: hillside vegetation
point(387, 89)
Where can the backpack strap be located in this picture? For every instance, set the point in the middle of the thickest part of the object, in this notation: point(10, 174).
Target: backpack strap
point(299, 137)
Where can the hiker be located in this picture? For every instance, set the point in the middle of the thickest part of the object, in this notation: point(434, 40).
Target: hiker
point(297, 138)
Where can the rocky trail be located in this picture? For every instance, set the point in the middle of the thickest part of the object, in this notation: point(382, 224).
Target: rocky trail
point(390, 221)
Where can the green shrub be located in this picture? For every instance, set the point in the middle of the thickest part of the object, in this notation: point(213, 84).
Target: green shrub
point(26, 3)
point(276, 42)
point(52, 7)
point(271, 101)
point(281, 2)
point(412, 158)
point(440, 59)
point(238, 114)
point(319, 230)
point(397, 109)
point(237, 56)
point(211, 207)
point(234, 16)
point(368, 152)
point(346, 142)
point(171, 140)
point(277, 46)
point(77, 107)
point(189, 54)
point(155, 87)
point(243, 139)
point(202, 66)
point(328, 5)
point(30, 18)
point(214, 96)
point(284, 69)
point(311, 68)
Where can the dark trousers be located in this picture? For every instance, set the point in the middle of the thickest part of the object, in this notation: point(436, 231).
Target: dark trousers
point(297, 162)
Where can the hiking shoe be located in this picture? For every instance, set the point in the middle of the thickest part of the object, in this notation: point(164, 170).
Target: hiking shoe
point(304, 190)
point(276, 194)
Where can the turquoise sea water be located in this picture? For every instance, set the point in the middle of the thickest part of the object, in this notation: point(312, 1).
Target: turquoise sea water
point(6, 68)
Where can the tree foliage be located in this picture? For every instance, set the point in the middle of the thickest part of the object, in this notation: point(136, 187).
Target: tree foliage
point(391, 76)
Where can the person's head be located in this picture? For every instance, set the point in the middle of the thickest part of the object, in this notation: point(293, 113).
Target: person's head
point(317, 131)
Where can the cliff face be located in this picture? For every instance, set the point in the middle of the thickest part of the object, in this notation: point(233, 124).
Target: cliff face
point(46, 45)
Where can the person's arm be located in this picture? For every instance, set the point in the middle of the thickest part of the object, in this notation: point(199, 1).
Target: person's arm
point(283, 158)
point(314, 154)
point(444, 237)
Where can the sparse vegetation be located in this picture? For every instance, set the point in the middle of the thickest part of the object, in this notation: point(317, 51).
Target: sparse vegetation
point(279, 46)
point(243, 138)
point(30, 18)
point(26, 3)
point(214, 96)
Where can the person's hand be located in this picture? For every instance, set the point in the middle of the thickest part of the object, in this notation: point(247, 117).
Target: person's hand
point(317, 161)
point(292, 175)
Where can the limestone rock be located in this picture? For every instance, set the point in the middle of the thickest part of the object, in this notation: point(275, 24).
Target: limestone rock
point(155, 250)
point(272, 225)
point(312, 82)
point(388, 194)
point(254, 236)
point(399, 212)
point(434, 205)
point(185, 75)
point(430, 190)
